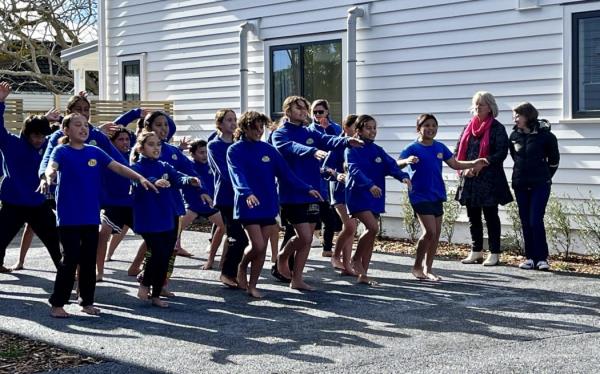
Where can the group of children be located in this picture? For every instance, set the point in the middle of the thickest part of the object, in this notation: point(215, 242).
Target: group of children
point(240, 182)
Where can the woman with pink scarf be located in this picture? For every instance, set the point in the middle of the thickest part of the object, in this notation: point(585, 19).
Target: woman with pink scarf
point(481, 190)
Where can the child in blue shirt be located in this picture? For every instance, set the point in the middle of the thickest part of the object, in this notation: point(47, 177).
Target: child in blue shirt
point(253, 166)
point(21, 203)
point(153, 213)
point(365, 190)
point(195, 206)
point(303, 150)
point(336, 174)
point(237, 240)
point(79, 167)
point(428, 193)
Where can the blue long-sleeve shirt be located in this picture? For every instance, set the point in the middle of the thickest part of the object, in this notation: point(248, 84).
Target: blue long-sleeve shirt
point(337, 190)
point(154, 212)
point(298, 144)
point(20, 168)
point(134, 114)
point(116, 189)
point(334, 130)
point(367, 167)
point(217, 159)
point(191, 194)
point(253, 167)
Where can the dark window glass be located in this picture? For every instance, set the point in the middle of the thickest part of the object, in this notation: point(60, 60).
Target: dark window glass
point(312, 70)
point(586, 64)
point(131, 80)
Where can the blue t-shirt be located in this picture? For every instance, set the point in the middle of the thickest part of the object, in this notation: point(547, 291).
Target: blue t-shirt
point(79, 184)
point(427, 182)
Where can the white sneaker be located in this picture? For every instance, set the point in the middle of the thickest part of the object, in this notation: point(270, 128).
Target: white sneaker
point(473, 258)
point(543, 265)
point(492, 259)
point(527, 265)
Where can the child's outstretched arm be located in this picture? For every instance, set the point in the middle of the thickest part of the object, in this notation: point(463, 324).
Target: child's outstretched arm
point(128, 173)
point(404, 162)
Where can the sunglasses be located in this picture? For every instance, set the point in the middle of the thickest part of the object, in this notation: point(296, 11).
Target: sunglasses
point(319, 112)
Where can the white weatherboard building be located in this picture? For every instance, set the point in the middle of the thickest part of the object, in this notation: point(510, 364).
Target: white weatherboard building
point(393, 59)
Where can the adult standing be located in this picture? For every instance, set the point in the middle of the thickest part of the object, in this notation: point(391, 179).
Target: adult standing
point(481, 190)
point(534, 150)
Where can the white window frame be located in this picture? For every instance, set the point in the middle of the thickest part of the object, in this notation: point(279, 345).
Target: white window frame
point(568, 11)
point(299, 40)
point(141, 57)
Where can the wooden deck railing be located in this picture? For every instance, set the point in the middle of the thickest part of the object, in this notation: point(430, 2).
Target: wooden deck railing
point(13, 114)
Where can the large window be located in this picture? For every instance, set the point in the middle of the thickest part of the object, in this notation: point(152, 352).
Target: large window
point(312, 70)
point(131, 80)
point(586, 64)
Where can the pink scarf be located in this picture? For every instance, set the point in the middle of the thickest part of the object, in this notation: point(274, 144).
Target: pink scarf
point(478, 129)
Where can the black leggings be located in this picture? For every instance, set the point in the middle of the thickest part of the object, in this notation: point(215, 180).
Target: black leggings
point(492, 221)
point(237, 243)
point(79, 248)
point(161, 245)
point(330, 223)
point(42, 220)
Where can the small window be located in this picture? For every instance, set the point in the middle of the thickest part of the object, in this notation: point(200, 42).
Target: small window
point(312, 70)
point(131, 80)
point(586, 64)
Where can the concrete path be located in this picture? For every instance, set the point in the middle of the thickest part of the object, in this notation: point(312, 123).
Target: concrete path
point(477, 320)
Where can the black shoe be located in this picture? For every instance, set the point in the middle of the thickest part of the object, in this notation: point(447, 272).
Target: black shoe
point(275, 273)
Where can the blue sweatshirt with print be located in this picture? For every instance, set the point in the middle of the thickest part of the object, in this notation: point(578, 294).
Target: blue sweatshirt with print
point(19, 167)
point(367, 167)
point(191, 194)
point(253, 167)
point(217, 159)
point(154, 212)
point(334, 130)
point(298, 144)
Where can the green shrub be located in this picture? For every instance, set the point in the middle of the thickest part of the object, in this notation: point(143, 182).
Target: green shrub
point(411, 223)
point(558, 225)
point(588, 220)
point(451, 212)
point(513, 240)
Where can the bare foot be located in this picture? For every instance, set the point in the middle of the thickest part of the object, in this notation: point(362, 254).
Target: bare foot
point(419, 274)
point(143, 292)
point(159, 303)
point(362, 278)
point(254, 293)
point(337, 263)
point(4, 269)
point(242, 279)
point(182, 252)
point(17, 266)
point(300, 285)
point(283, 269)
point(166, 293)
point(433, 277)
point(207, 265)
point(228, 281)
point(357, 267)
point(348, 272)
point(58, 312)
point(91, 310)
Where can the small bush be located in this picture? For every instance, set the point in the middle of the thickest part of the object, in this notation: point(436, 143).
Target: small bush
point(411, 223)
point(588, 220)
point(513, 240)
point(558, 225)
point(451, 212)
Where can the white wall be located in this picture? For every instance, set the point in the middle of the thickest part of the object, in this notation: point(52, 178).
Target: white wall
point(416, 56)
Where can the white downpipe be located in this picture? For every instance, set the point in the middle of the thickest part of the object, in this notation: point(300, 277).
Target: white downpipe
point(244, 28)
point(353, 13)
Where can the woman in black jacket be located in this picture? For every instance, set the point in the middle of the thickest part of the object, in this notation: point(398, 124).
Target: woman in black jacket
point(534, 150)
point(482, 190)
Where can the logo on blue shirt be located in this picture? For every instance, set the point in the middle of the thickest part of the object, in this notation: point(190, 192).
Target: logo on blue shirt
point(310, 141)
point(92, 162)
point(378, 160)
point(265, 158)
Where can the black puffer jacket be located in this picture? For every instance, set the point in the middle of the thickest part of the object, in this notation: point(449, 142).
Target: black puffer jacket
point(535, 154)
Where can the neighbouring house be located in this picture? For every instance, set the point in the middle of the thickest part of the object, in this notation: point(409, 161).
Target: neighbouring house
point(83, 61)
point(393, 59)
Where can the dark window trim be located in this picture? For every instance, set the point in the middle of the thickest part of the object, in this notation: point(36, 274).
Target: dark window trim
point(276, 113)
point(124, 63)
point(576, 17)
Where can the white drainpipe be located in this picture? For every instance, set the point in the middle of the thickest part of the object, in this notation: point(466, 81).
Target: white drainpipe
point(244, 28)
point(353, 13)
point(102, 50)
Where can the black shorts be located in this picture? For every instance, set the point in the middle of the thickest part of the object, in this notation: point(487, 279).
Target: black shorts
point(429, 208)
point(262, 222)
point(300, 213)
point(117, 217)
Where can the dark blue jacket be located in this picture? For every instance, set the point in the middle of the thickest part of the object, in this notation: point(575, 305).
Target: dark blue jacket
point(337, 190)
point(191, 194)
point(217, 159)
point(134, 114)
point(334, 130)
point(20, 168)
point(116, 189)
point(154, 212)
point(298, 144)
point(253, 167)
point(367, 167)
